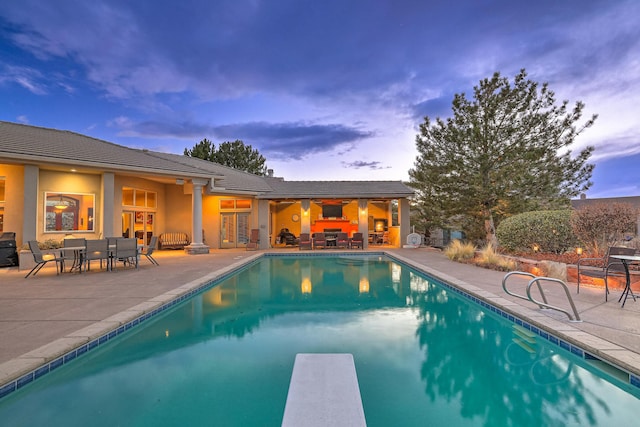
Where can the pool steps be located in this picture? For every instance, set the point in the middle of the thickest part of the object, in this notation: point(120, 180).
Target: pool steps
point(324, 392)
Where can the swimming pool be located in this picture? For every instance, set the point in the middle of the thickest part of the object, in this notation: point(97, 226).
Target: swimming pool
point(424, 354)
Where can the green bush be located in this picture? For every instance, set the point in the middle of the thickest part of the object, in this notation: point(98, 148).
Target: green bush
point(545, 231)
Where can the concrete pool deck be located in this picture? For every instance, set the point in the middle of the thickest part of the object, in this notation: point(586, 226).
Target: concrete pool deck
point(45, 316)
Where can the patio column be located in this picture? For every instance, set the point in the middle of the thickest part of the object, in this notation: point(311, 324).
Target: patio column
point(30, 203)
point(196, 246)
point(263, 224)
point(404, 220)
point(363, 221)
point(305, 216)
point(108, 197)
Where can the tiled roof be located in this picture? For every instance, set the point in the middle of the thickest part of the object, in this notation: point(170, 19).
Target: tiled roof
point(25, 143)
point(336, 189)
point(229, 179)
point(30, 143)
point(631, 200)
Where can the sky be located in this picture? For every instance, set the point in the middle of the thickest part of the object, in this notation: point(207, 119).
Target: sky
point(324, 90)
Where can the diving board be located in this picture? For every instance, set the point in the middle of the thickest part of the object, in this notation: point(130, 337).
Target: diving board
point(324, 392)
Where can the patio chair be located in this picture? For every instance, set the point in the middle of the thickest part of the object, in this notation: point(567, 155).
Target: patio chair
point(319, 240)
point(126, 252)
point(254, 239)
point(385, 238)
point(342, 240)
point(74, 255)
point(96, 250)
point(42, 259)
point(357, 241)
point(607, 267)
point(149, 252)
point(305, 241)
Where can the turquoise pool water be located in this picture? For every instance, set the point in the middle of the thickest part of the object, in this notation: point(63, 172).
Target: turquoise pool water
point(424, 355)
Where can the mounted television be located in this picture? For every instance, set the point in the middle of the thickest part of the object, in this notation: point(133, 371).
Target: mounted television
point(332, 211)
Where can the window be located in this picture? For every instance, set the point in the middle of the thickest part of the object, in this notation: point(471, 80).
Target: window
point(66, 212)
point(235, 204)
point(138, 198)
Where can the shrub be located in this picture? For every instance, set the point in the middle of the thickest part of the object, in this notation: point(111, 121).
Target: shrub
point(489, 258)
point(600, 225)
point(459, 251)
point(546, 231)
point(47, 244)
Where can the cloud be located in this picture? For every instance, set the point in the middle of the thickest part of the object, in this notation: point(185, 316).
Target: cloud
point(28, 78)
point(277, 141)
point(359, 164)
point(350, 71)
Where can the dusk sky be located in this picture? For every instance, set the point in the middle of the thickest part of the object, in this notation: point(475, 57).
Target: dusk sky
point(325, 90)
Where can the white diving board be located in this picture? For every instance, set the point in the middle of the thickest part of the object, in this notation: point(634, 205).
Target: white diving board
point(324, 392)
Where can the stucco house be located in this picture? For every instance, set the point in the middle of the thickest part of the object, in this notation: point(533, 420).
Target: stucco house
point(56, 183)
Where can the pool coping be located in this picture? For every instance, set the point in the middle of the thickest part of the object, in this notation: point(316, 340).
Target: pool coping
point(24, 369)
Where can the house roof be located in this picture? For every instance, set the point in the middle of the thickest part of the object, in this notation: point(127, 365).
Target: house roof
point(226, 178)
point(58, 147)
point(335, 189)
point(26, 143)
point(631, 200)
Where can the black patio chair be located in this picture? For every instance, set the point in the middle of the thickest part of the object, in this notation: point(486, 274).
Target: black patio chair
point(606, 267)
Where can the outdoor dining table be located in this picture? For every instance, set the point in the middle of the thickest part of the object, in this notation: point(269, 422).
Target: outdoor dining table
point(79, 255)
point(626, 260)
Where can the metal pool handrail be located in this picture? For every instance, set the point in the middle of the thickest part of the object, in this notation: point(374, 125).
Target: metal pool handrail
point(522, 273)
point(566, 291)
point(544, 303)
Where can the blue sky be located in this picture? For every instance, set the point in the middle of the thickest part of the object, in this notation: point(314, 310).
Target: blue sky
point(330, 90)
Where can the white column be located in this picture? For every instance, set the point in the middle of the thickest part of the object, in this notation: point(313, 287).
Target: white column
point(107, 219)
point(263, 224)
point(196, 246)
point(363, 221)
point(30, 203)
point(404, 220)
point(305, 216)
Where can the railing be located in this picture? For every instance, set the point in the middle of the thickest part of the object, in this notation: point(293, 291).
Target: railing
point(544, 303)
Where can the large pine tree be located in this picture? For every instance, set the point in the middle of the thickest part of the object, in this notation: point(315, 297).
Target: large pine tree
point(504, 152)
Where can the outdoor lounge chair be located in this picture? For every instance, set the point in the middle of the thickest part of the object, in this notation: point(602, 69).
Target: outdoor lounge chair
point(305, 241)
point(357, 241)
point(319, 240)
point(149, 252)
point(96, 250)
point(607, 267)
point(42, 259)
point(254, 239)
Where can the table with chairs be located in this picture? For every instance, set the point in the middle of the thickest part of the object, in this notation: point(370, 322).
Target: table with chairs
point(78, 254)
